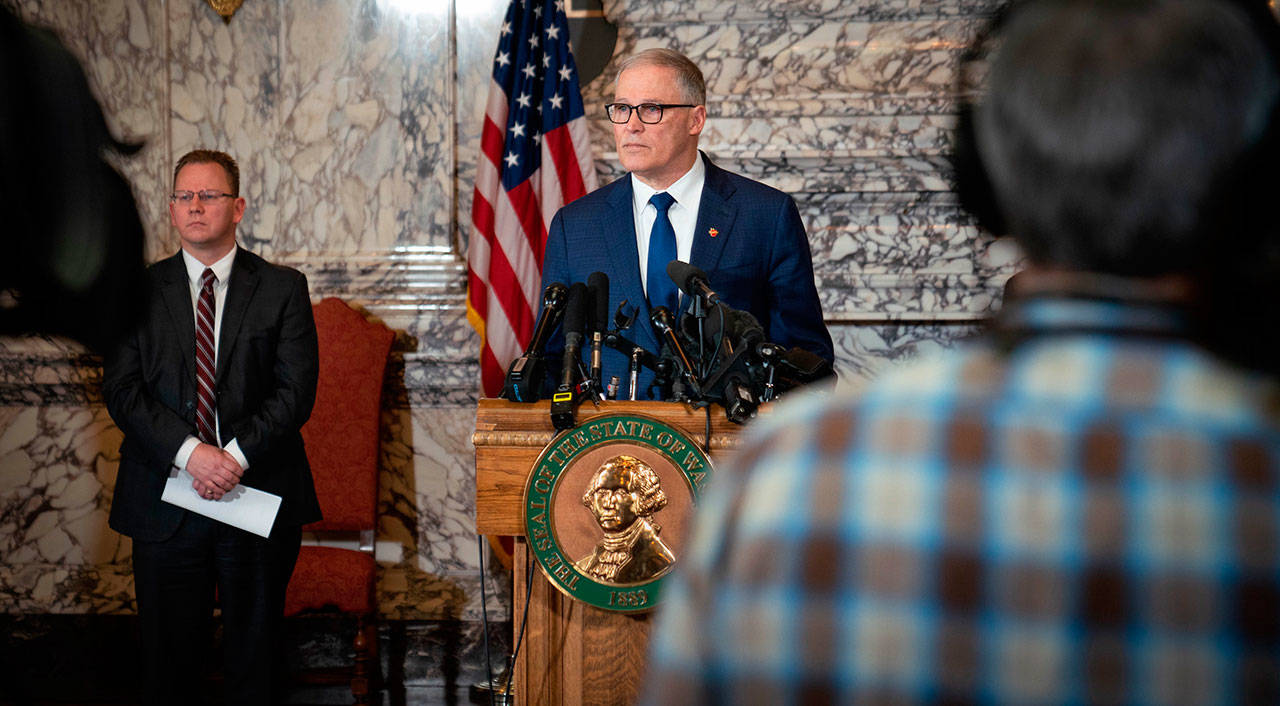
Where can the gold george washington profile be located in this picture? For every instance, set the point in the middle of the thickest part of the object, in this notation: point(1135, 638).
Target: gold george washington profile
point(624, 494)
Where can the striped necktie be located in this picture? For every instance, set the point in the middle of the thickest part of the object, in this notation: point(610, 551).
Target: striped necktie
point(206, 400)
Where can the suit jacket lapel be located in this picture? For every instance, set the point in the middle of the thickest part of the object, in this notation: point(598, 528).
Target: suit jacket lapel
point(244, 280)
point(714, 212)
point(175, 291)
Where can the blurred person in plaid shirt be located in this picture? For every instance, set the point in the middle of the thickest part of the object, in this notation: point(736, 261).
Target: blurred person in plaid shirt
point(1083, 505)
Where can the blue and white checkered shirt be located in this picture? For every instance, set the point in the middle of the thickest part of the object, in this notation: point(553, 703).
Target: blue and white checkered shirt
point(1082, 508)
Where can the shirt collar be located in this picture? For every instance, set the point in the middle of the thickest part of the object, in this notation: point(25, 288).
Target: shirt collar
point(1037, 303)
point(221, 268)
point(683, 190)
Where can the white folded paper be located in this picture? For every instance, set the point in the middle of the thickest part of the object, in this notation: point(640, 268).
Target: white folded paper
point(250, 509)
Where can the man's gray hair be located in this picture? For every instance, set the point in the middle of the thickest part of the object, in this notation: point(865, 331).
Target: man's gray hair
point(693, 89)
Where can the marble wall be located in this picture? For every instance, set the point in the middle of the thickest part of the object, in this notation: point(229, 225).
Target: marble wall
point(356, 123)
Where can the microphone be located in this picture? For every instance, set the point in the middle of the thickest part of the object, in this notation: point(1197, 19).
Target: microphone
point(807, 366)
point(526, 373)
point(731, 329)
point(563, 399)
point(598, 285)
point(663, 321)
point(691, 280)
point(574, 319)
point(788, 369)
point(553, 301)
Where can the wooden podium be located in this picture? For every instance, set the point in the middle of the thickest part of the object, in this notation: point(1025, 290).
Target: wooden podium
point(573, 653)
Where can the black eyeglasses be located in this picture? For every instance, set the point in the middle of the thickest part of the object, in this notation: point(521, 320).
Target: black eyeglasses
point(206, 195)
point(649, 113)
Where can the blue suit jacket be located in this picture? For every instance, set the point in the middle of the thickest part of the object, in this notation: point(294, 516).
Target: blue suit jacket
point(758, 261)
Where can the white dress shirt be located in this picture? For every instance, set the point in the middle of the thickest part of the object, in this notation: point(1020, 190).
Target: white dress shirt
point(687, 191)
point(222, 271)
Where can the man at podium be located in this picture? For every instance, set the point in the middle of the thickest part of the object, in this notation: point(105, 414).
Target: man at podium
point(675, 204)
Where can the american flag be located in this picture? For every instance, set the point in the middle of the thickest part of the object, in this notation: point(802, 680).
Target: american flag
point(535, 156)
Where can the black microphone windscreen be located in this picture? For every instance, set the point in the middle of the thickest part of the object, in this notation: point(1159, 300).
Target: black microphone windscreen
point(598, 283)
point(744, 327)
point(716, 314)
point(575, 309)
point(734, 324)
point(682, 273)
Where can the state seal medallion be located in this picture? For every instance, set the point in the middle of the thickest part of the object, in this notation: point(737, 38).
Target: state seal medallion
point(608, 507)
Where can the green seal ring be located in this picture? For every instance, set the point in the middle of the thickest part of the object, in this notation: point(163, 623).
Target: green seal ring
point(544, 482)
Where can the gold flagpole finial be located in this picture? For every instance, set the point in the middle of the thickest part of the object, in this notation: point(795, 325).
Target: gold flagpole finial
point(225, 8)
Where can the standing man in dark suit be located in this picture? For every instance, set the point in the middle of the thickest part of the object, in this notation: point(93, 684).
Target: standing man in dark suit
point(676, 204)
point(217, 381)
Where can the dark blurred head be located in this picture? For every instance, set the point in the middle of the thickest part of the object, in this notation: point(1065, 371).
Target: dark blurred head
point(73, 243)
point(1130, 137)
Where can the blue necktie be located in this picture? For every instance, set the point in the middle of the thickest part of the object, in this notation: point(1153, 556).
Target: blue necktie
point(662, 249)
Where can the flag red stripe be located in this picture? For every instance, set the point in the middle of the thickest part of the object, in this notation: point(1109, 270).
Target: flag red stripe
point(491, 142)
point(503, 282)
point(491, 373)
point(477, 289)
point(509, 235)
point(477, 294)
point(525, 203)
point(566, 160)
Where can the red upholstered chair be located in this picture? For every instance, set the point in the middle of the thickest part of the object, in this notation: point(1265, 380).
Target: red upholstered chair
point(342, 441)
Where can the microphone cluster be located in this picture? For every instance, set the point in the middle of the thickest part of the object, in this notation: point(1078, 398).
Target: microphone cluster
point(710, 353)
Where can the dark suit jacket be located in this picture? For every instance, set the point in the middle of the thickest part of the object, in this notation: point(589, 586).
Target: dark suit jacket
point(267, 366)
point(758, 261)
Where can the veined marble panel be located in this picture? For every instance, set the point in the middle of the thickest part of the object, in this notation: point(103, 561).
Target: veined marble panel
point(881, 135)
point(901, 233)
point(57, 468)
point(904, 256)
point(340, 112)
point(630, 12)
point(429, 488)
point(865, 351)
point(797, 58)
point(57, 472)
